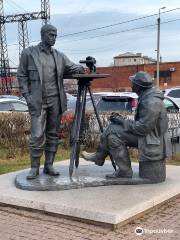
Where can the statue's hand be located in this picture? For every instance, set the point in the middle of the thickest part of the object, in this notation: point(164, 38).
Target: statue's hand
point(116, 118)
point(81, 69)
point(30, 103)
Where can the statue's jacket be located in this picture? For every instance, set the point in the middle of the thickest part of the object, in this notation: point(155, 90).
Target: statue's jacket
point(30, 77)
point(150, 126)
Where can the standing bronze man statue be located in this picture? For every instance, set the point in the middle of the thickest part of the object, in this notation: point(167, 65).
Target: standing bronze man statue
point(147, 133)
point(40, 76)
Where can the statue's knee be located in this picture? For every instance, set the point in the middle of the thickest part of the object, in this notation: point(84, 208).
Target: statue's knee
point(114, 141)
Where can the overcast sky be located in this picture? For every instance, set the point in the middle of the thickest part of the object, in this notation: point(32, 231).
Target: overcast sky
point(71, 16)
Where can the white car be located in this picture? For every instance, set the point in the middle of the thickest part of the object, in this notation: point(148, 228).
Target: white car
point(12, 104)
point(173, 94)
point(71, 102)
point(171, 105)
point(18, 104)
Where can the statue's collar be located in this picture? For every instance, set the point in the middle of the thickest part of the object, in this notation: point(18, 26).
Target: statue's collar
point(43, 48)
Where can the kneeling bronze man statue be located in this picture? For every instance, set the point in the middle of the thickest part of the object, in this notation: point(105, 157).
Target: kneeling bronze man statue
point(148, 133)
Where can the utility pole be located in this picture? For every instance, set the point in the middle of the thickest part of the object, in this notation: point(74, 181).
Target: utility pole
point(23, 35)
point(45, 11)
point(158, 46)
point(4, 60)
point(22, 20)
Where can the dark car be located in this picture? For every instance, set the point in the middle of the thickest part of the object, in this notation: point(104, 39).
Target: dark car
point(122, 101)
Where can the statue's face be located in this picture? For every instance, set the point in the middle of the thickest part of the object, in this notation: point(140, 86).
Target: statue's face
point(49, 38)
point(135, 88)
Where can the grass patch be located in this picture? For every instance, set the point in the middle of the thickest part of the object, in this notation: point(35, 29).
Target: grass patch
point(169, 161)
point(22, 161)
point(174, 160)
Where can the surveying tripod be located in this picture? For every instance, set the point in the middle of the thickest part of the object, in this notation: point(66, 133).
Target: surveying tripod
point(84, 82)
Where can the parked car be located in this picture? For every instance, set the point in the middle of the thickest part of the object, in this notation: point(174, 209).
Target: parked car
point(170, 105)
point(173, 94)
point(125, 101)
point(110, 101)
point(12, 104)
point(18, 104)
point(13, 97)
point(71, 102)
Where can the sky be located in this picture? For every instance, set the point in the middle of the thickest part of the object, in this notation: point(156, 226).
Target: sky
point(73, 16)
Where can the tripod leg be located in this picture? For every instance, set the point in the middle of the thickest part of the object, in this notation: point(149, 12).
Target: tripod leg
point(74, 125)
point(75, 144)
point(82, 121)
point(95, 110)
point(99, 122)
point(73, 139)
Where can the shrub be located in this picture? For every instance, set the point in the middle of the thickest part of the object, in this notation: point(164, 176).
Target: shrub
point(14, 132)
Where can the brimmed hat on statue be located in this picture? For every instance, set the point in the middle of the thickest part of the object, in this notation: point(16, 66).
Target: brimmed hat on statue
point(142, 79)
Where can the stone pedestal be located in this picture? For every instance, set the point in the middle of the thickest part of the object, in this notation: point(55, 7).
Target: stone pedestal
point(110, 205)
point(84, 176)
point(155, 171)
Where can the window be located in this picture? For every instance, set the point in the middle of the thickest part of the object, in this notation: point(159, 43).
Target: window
point(174, 93)
point(170, 106)
point(115, 104)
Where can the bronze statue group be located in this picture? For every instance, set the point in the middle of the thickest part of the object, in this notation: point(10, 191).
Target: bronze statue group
point(40, 75)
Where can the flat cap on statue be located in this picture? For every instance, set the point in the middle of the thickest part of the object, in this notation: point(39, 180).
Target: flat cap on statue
point(142, 79)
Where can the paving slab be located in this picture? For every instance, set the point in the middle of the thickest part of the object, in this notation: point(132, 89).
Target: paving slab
point(105, 204)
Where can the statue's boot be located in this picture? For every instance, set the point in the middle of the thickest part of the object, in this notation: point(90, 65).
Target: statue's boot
point(120, 174)
point(97, 157)
point(48, 165)
point(120, 155)
point(35, 164)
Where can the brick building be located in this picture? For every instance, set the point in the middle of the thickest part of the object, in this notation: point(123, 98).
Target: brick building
point(118, 81)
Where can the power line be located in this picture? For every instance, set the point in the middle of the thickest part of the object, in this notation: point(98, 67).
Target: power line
point(119, 23)
point(108, 34)
point(14, 4)
point(97, 49)
point(12, 61)
point(126, 30)
point(7, 7)
point(108, 48)
point(13, 7)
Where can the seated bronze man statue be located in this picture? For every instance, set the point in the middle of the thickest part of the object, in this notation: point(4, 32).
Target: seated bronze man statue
point(148, 133)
